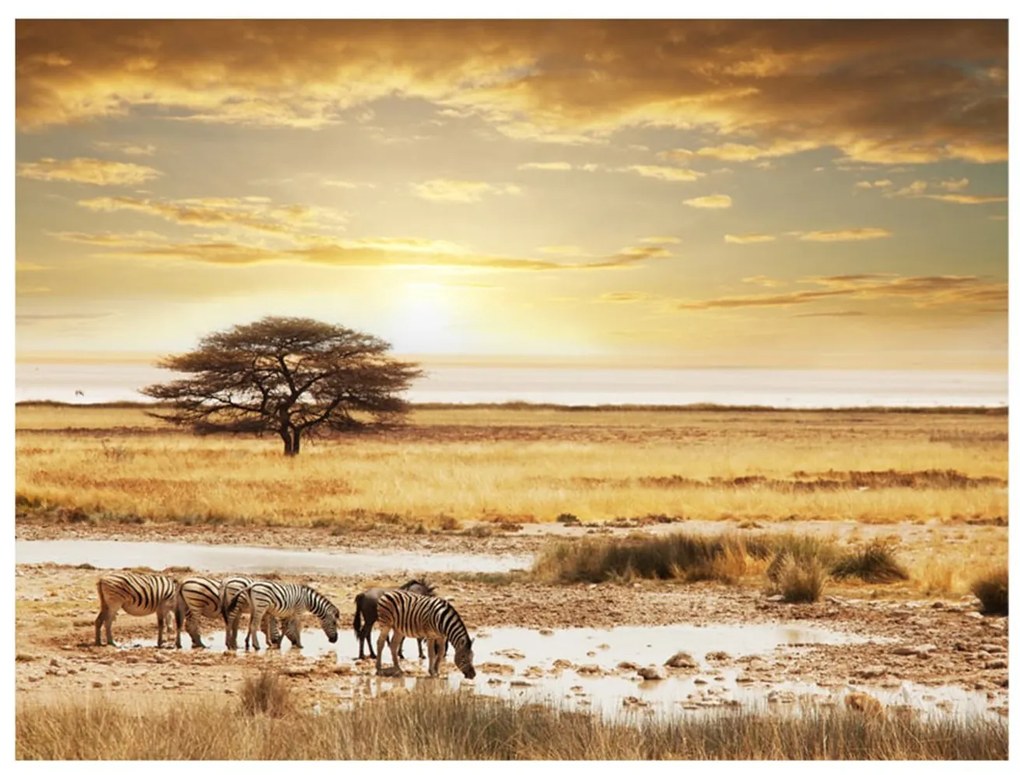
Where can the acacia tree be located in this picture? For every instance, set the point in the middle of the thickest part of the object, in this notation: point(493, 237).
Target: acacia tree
point(291, 376)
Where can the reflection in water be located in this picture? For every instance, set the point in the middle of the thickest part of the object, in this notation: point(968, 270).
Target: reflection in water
point(579, 669)
point(256, 559)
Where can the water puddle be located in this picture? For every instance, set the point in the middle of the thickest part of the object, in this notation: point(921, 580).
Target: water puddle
point(256, 559)
point(580, 669)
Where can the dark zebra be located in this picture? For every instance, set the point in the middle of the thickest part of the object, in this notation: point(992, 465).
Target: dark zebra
point(139, 594)
point(366, 612)
point(417, 616)
point(285, 601)
point(204, 596)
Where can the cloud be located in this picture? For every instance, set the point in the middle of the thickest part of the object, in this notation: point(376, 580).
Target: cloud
point(255, 213)
point(128, 149)
point(842, 235)
point(664, 240)
point(748, 239)
point(923, 291)
point(463, 191)
point(764, 88)
point(59, 317)
point(94, 172)
point(626, 297)
point(672, 174)
point(763, 280)
point(546, 165)
point(967, 199)
point(741, 152)
point(562, 250)
point(108, 238)
point(713, 201)
point(30, 266)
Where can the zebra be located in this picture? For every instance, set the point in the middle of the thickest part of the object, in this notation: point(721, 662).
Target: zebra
point(366, 612)
point(204, 596)
point(139, 594)
point(286, 601)
point(228, 589)
point(423, 617)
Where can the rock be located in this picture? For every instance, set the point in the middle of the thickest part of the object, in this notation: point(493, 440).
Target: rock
point(521, 684)
point(717, 656)
point(870, 671)
point(651, 673)
point(682, 660)
point(627, 666)
point(97, 684)
point(589, 670)
point(545, 631)
point(563, 664)
point(509, 654)
point(996, 664)
point(496, 667)
point(991, 648)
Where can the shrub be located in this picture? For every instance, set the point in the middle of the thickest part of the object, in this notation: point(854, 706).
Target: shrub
point(875, 563)
point(802, 582)
point(266, 693)
point(992, 590)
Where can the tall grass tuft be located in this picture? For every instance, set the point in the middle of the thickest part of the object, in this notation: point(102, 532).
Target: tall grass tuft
point(876, 563)
point(993, 591)
point(457, 726)
point(676, 556)
point(266, 693)
point(801, 581)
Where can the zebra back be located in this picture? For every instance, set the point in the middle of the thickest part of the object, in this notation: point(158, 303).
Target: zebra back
point(201, 596)
point(145, 592)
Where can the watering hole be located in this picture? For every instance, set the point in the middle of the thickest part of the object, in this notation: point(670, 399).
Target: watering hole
point(256, 559)
point(580, 669)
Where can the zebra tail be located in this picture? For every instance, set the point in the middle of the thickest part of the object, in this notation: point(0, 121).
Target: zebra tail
point(358, 599)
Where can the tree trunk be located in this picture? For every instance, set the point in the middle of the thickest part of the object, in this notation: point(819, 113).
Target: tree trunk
point(288, 442)
point(295, 446)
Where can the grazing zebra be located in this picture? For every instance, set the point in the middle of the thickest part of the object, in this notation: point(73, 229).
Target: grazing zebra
point(139, 594)
point(286, 601)
point(228, 589)
point(423, 617)
point(207, 597)
point(366, 612)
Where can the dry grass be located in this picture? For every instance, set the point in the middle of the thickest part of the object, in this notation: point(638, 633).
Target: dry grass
point(993, 592)
point(526, 465)
point(266, 693)
point(444, 726)
point(874, 563)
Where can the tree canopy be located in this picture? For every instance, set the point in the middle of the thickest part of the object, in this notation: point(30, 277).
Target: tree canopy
point(291, 376)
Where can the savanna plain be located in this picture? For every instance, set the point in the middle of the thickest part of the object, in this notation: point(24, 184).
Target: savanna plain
point(886, 528)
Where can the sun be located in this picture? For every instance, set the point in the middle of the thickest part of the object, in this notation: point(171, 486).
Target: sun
point(423, 318)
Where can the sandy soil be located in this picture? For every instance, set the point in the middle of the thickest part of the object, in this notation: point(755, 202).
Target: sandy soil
point(932, 642)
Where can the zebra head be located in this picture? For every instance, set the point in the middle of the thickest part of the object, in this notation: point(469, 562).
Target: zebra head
point(463, 658)
point(329, 617)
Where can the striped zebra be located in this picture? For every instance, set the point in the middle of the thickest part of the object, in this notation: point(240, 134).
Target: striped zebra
point(139, 594)
point(366, 612)
point(417, 616)
point(204, 596)
point(229, 588)
point(285, 601)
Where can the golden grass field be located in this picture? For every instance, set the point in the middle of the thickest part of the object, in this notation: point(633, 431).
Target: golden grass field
point(450, 465)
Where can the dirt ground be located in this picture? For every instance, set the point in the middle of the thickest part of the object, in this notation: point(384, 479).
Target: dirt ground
point(935, 642)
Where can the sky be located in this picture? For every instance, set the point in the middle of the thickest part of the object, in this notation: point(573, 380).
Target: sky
point(816, 194)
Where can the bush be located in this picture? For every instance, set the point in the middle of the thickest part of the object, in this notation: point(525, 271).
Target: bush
point(801, 582)
point(875, 563)
point(992, 590)
point(266, 693)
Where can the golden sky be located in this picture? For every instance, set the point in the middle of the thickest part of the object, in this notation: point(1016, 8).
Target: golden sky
point(685, 193)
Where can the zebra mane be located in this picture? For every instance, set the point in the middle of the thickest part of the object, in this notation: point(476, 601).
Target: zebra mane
point(420, 583)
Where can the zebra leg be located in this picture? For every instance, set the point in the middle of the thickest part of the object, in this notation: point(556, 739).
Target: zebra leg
point(191, 624)
point(294, 632)
point(161, 620)
point(433, 658)
point(110, 616)
point(421, 654)
point(383, 632)
point(104, 613)
point(396, 641)
point(253, 631)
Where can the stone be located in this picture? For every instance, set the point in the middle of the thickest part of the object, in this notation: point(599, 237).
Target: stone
point(651, 673)
point(682, 660)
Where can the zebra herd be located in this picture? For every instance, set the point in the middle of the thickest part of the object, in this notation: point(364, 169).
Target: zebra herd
point(411, 611)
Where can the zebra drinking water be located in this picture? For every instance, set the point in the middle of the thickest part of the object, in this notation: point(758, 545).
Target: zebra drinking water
point(285, 601)
point(408, 614)
point(366, 612)
point(139, 594)
point(208, 597)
